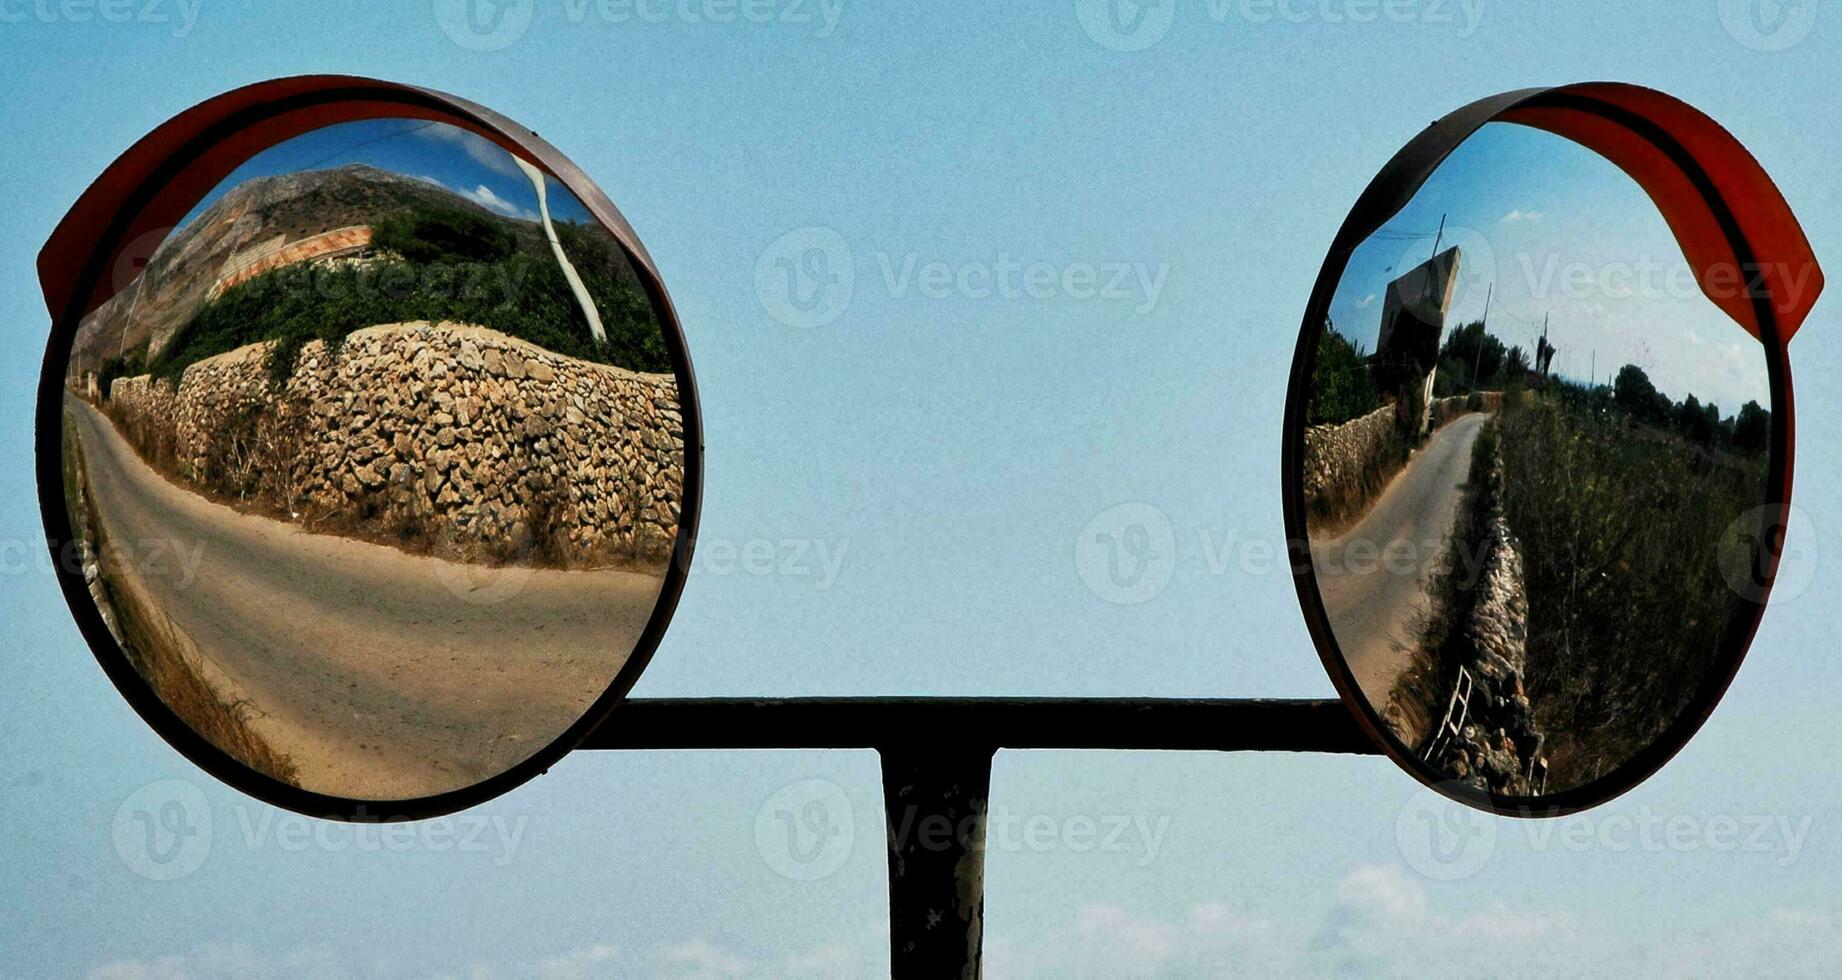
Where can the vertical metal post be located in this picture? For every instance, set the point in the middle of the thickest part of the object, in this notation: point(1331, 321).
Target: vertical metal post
point(934, 799)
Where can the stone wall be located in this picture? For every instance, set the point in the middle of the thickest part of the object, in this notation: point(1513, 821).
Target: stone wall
point(1496, 745)
point(480, 443)
point(1337, 456)
point(1446, 409)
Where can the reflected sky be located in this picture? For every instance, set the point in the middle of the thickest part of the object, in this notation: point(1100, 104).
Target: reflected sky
point(469, 165)
point(1551, 231)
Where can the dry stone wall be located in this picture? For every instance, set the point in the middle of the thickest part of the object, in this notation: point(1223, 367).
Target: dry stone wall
point(1488, 737)
point(1337, 456)
point(479, 442)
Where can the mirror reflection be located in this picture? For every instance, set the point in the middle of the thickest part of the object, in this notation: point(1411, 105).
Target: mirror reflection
point(376, 460)
point(1534, 455)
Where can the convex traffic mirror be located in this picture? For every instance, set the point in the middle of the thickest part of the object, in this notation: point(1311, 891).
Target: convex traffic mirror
point(1538, 441)
point(368, 443)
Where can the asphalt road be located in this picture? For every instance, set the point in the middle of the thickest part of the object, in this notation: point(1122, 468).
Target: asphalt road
point(382, 675)
point(1373, 577)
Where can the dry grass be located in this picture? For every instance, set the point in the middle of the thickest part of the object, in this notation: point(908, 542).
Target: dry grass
point(1622, 529)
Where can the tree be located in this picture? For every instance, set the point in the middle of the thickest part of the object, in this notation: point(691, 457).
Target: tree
point(1633, 392)
point(1515, 363)
point(1342, 387)
point(1695, 421)
point(1752, 431)
point(1479, 354)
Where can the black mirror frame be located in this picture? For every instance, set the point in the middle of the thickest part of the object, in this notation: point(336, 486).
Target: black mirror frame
point(1632, 111)
point(73, 267)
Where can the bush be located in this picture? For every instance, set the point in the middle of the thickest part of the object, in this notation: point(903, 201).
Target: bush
point(432, 271)
point(1621, 530)
point(128, 365)
point(1342, 386)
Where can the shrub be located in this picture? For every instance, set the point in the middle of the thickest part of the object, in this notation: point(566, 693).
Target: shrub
point(1342, 386)
point(432, 271)
point(1621, 530)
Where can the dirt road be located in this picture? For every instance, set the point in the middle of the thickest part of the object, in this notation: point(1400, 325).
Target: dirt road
point(1373, 577)
point(383, 675)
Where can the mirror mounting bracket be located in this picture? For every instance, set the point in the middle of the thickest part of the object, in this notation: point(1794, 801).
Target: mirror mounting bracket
point(936, 754)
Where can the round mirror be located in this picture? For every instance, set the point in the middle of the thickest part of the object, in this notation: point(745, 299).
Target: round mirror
point(369, 468)
point(1537, 466)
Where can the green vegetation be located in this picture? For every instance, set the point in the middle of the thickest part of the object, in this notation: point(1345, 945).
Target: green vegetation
point(1342, 386)
point(129, 365)
point(1621, 520)
point(1470, 360)
point(433, 264)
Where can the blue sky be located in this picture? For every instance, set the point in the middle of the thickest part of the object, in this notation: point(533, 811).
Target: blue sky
point(949, 448)
point(471, 166)
point(1552, 233)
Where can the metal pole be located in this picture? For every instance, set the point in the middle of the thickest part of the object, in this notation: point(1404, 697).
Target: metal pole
point(935, 805)
point(1482, 326)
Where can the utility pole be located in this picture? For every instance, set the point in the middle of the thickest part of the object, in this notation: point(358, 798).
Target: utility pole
point(1477, 362)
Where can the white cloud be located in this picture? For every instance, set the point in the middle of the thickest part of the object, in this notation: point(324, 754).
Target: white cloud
point(1382, 922)
point(697, 960)
point(1366, 301)
point(484, 197)
point(1521, 215)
